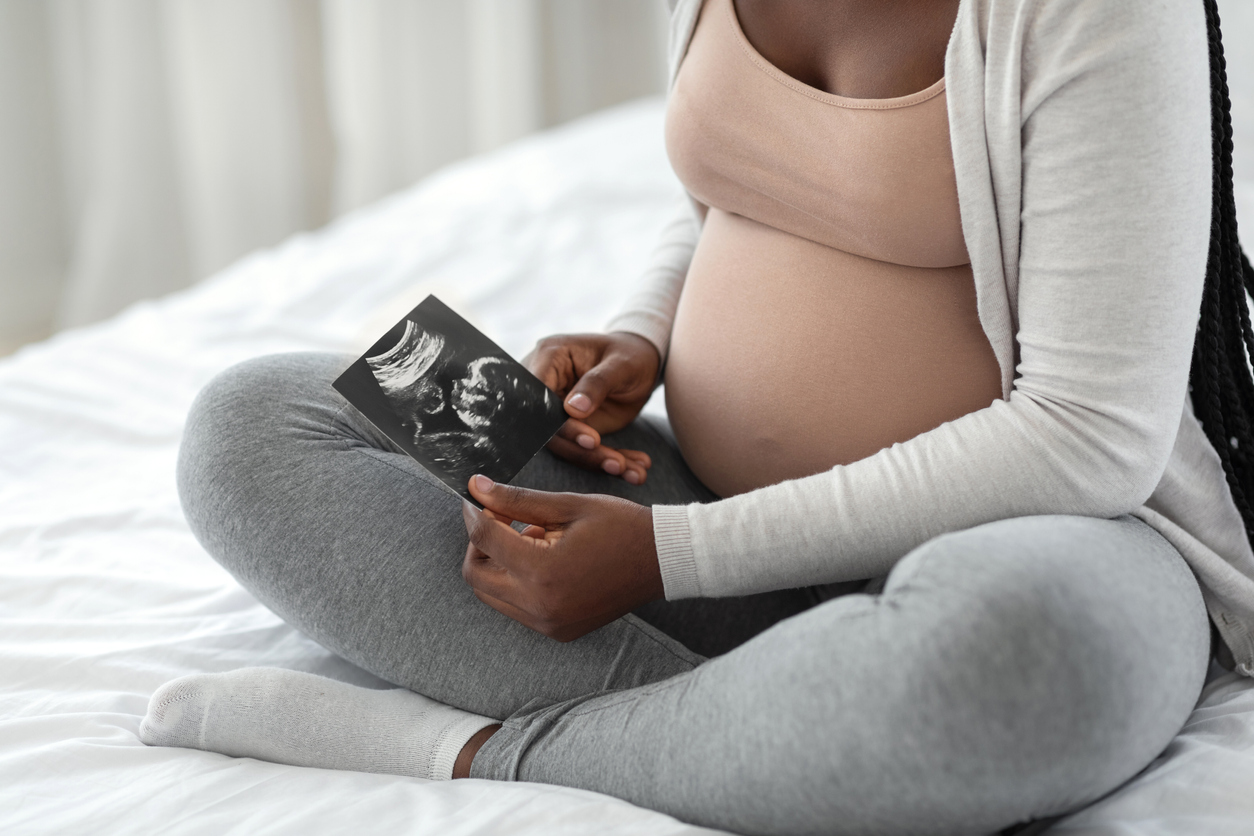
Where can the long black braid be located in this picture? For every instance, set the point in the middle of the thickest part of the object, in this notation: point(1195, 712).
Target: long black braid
point(1220, 380)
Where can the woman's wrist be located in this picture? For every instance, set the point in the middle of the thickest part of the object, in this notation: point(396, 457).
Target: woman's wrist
point(644, 348)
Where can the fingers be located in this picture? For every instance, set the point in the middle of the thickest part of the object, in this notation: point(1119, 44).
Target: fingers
point(594, 365)
point(497, 552)
point(559, 361)
point(537, 507)
point(500, 587)
point(493, 580)
point(588, 438)
point(632, 465)
point(580, 444)
point(503, 607)
point(590, 369)
point(639, 456)
point(471, 515)
point(609, 376)
point(580, 433)
point(552, 363)
point(561, 633)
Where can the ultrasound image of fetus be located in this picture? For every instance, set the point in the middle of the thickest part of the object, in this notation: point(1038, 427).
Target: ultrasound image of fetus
point(490, 389)
point(455, 408)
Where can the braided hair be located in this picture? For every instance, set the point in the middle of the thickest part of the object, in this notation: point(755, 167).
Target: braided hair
point(1220, 378)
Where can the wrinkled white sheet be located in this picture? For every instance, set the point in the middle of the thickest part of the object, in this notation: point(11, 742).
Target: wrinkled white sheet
point(104, 594)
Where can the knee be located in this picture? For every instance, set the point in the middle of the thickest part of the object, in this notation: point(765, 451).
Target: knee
point(1023, 668)
point(1083, 640)
point(1061, 585)
point(237, 425)
point(260, 389)
point(1061, 590)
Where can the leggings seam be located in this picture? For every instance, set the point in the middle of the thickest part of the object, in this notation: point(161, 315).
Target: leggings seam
point(336, 423)
point(657, 641)
point(369, 452)
point(351, 442)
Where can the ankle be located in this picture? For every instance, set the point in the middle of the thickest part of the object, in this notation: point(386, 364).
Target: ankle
point(461, 767)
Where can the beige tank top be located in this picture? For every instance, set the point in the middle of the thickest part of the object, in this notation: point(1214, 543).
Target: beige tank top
point(829, 309)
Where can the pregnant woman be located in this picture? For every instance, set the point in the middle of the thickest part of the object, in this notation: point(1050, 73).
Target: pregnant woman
point(955, 483)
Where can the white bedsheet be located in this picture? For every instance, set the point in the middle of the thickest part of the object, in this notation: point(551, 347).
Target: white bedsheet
point(104, 594)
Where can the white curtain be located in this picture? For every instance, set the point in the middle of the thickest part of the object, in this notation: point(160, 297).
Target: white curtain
point(147, 143)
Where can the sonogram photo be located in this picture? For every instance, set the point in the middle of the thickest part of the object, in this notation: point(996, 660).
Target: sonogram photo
point(451, 398)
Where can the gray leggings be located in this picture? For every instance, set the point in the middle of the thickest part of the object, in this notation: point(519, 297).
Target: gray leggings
point(1012, 671)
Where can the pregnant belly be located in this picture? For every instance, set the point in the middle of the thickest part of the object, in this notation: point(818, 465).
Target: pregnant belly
point(788, 357)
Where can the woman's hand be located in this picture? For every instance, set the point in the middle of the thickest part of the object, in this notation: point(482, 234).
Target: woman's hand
point(582, 561)
point(604, 380)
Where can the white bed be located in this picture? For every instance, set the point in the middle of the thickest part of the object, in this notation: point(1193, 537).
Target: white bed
point(104, 594)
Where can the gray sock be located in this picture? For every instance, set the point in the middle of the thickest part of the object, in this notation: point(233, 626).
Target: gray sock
point(306, 720)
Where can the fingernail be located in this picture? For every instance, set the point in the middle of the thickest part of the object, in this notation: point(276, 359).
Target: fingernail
point(612, 467)
point(580, 402)
point(632, 476)
point(483, 483)
point(586, 441)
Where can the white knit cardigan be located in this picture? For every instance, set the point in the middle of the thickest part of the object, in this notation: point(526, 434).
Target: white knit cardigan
point(1081, 140)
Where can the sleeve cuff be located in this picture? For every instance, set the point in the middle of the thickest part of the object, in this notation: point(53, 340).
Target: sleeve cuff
point(650, 326)
point(673, 540)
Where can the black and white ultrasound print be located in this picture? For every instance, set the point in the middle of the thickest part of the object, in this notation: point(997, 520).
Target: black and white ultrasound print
point(452, 399)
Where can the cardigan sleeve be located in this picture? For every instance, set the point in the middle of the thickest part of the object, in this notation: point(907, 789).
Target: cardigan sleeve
point(1113, 240)
point(651, 309)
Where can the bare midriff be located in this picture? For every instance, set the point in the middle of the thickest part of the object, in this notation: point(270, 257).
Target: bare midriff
point(829, 310)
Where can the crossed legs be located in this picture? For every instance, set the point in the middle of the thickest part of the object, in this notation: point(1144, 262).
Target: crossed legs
point(1014, 670)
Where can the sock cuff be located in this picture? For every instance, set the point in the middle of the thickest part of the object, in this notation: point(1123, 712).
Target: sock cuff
point(450, 742)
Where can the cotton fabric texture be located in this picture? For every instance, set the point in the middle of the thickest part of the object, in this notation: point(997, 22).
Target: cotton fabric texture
point(1010, 671)
point(302, 719)
point(1081, 140)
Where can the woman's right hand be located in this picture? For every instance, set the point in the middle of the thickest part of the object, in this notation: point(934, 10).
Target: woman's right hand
point(604, 380)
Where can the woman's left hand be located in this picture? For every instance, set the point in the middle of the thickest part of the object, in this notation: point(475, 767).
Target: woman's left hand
point(582, 561)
